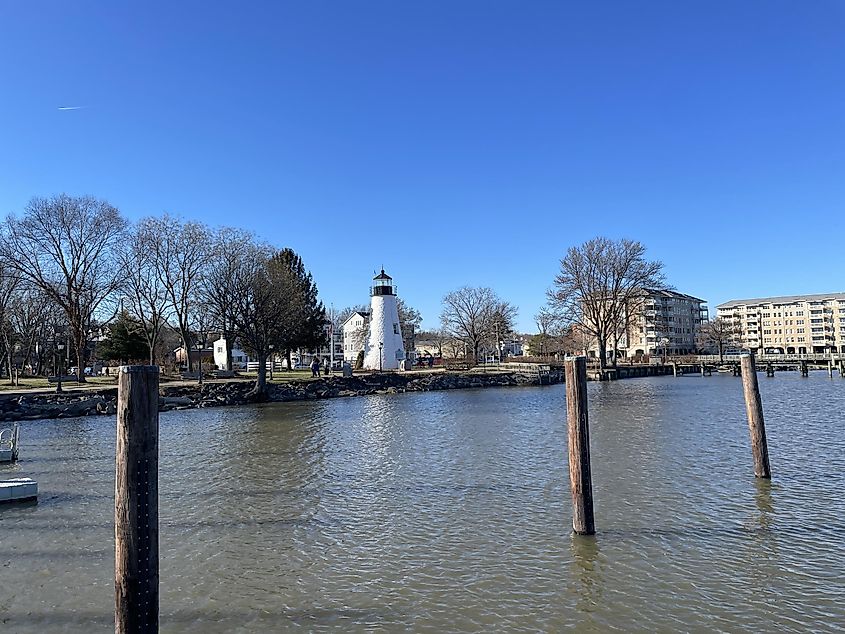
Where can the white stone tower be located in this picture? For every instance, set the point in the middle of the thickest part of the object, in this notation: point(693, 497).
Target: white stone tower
point(384, 349)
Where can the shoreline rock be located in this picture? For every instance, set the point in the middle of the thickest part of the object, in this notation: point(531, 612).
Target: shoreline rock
point(179, 397)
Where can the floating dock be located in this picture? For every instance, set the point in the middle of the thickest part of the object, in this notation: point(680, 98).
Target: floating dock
point(18, 490)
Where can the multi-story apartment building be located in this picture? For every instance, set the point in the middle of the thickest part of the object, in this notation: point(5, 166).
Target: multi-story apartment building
point(794, 324)
point(663, 322)
point(658, 322)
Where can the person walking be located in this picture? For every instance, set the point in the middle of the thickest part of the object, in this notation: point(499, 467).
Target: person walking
point(315, 367)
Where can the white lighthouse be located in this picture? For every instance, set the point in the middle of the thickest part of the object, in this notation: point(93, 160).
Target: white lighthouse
point(384, 349)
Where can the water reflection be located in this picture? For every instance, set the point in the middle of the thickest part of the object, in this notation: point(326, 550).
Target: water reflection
point(449, 511)
point(587, 571)
point(763, 499)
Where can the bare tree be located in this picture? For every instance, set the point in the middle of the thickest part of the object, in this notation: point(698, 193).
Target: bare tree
point(472, 315)
point(144, 289)
point(598, 282)
point(410, 320)
point(9, 282)
point(202, 324)
point(719, 333)
point(548, 340)
point(218, 279)
point(32, 313)
point(179, 253)
point(259, 301)
point(67, 247)
point(408, 315)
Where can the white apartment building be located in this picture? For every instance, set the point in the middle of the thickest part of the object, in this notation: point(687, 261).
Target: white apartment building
point(793, 324)
point(663, 322)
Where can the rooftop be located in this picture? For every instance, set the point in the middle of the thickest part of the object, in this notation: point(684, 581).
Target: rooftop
point(664, 292)
point(785, 299)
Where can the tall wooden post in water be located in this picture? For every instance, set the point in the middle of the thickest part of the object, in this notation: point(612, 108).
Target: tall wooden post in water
point(578, 425)
point(136, 501)
point(756, 426)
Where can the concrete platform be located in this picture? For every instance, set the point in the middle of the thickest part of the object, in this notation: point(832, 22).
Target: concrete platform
point(18, 490)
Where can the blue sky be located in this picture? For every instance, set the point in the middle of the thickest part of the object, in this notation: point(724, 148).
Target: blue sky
point(455, 143)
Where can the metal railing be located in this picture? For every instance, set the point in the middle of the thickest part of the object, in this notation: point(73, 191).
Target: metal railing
point(728, 358)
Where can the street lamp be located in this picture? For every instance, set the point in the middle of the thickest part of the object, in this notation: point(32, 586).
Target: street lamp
point(272, 361)
point(199, 362)
point(60, 347)
point(665, 343)
point(380, 355)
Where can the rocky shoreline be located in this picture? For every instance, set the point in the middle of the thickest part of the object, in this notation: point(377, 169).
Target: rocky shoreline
point(16, 407)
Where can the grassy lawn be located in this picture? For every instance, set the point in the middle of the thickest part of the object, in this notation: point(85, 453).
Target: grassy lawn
point(42, 383)
point(109, 381)
point(279, 377)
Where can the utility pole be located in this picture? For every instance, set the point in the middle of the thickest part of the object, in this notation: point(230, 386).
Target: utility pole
point(331, 337)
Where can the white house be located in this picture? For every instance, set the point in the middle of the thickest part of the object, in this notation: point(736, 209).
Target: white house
point(355, 330)
point(239, 357)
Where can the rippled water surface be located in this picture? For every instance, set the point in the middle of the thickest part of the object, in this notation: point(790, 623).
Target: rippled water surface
point(450, 511)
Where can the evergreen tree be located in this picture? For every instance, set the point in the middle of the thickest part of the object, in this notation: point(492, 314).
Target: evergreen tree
point(125, 341)
point(304, 319)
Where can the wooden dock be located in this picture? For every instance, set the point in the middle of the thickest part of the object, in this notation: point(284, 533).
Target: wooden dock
point(771, 363)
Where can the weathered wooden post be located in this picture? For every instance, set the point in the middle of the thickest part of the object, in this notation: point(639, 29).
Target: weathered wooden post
point(136, 501)
point(804, 369)
point(756, 426)
point(578, 425)
point(830, 368)
point(675, 369)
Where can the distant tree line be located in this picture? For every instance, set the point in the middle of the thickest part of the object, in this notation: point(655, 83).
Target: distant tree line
point(73, 268)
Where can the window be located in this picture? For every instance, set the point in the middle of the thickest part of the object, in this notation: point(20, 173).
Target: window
point(395, 329)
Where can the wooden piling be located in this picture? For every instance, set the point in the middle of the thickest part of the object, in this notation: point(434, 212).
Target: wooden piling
point(830, 368)
point(674, 369)
point(580, 477)
point(804, 369)
point(770, 370)
point(756, 426)
point(136, 501)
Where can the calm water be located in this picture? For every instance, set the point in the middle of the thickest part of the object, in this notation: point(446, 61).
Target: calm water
point(450, 512)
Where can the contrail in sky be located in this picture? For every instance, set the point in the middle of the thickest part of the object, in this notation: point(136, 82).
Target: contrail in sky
point(71, 107)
